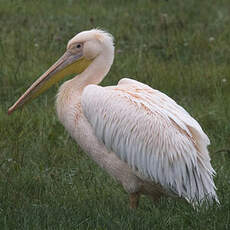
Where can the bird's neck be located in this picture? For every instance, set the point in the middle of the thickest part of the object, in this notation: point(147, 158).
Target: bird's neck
point(95, 72)
point(69, 95)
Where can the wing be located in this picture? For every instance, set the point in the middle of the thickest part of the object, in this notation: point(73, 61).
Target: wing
point(153, 134)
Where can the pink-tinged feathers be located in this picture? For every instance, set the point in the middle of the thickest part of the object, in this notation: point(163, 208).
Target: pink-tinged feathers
point(139, 135)
point(154, 135)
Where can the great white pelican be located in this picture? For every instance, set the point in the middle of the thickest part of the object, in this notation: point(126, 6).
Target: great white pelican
point(140, 136)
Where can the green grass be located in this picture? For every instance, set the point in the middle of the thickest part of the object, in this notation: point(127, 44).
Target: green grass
point(179, 47)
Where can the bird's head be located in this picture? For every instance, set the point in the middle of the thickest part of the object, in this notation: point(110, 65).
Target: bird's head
point(81, 51)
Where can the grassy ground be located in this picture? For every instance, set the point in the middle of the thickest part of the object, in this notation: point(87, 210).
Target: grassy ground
point(179, 47)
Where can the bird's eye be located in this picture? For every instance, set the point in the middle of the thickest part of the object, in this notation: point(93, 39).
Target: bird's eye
point(78, 46)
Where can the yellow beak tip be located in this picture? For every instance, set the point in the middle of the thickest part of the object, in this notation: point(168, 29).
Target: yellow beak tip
point(10, 110)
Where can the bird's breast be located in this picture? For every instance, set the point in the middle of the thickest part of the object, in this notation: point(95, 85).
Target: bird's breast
point(68, 106)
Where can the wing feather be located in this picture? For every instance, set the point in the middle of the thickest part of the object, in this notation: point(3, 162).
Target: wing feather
point(154, 135)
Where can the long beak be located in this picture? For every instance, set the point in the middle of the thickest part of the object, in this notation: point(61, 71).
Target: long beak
point(68, 64)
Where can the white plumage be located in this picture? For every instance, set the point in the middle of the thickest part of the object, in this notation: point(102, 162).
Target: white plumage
point(154, 135)
point(140, 136)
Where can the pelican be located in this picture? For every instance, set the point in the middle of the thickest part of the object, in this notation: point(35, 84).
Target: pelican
point(140, 136)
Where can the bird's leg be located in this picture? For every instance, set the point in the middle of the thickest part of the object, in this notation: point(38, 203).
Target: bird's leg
point(134, 200)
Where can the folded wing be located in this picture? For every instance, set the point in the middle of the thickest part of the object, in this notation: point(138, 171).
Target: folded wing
point(154, 135)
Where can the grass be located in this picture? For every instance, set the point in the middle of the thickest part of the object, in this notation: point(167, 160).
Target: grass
point(179, 47)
